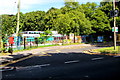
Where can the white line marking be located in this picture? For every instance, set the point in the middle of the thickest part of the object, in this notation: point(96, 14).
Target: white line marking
point(44, 65)
point(32, 67)
point(97, 58)
point(71, 61)
point(38, 65)
point(7, 69)
point(86, 76)
point(116, 56)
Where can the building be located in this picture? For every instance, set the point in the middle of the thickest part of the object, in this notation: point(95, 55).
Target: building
point(30, 36)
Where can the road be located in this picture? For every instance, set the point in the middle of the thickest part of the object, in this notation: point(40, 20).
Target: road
point(62, 64)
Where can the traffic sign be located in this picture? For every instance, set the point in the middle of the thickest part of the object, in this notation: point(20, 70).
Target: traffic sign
point(116, 29)
point(11, 40)
point(114, 13)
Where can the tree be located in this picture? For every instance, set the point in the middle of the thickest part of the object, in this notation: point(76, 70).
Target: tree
point(7, 26)
point(73, 19)
point(100, 22)
point(89, 9)
point(34, 21)
point(50, 17)
point(7, 29)
point(107, 7)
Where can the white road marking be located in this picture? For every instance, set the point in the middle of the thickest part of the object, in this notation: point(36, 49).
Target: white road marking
point(116, 56)
point(45, 65)
point(38, 65)
point(71, 61)
point(7, 69)
point(31, 67)
point(97, 58)
point(86, 76)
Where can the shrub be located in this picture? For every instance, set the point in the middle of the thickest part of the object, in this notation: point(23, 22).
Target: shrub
point(3, 50)
point(10, 50)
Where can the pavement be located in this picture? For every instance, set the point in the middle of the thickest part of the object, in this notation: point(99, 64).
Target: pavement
point(18, 56)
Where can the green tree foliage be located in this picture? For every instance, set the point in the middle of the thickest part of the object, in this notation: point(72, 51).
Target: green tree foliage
point(81, 19)
point(7, 25)
point(72, 20)
point(98, 17)
point(89, 9)
point(50, 17)
point(107, 7)
point(100, 22)
point(34, 21)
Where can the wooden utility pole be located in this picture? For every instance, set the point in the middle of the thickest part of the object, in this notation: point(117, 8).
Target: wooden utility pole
point(1, 43)
point(18, 21)
point(114, 26)
point(18, 17)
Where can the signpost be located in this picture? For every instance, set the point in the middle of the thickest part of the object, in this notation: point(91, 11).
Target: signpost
point(114, 18)
point(114, 13)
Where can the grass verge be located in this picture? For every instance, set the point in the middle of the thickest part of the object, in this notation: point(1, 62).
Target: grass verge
point(108, 50)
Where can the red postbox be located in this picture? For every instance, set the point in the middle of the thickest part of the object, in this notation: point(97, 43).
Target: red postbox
point(11, 40)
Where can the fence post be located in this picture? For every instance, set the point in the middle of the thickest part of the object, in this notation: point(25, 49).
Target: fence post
point(24, 43)
point(30, 43)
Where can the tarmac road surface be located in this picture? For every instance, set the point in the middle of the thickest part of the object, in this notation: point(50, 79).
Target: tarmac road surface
point(65, 64)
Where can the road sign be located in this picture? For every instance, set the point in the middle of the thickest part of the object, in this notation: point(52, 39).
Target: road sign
point(116, 29)
point(11, 40)
point(114, 13)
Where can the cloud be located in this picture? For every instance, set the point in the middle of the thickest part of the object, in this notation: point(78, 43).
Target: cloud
point(6, 6)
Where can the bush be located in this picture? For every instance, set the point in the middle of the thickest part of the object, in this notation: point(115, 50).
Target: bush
point(0, 50)
point(10, 50)
point(3, 50)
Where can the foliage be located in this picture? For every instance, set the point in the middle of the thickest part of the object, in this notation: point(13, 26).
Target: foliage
point(106, 7)
point(107, 50)
point(34, 21)
point(100, 22)
point(10, 50)
point(80, 19)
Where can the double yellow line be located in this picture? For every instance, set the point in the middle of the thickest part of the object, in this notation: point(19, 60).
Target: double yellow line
point(15, 61)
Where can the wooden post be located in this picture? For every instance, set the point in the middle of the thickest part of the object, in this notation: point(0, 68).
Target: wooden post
point(30, 43)
point(24, 43)
point(18, 21)
point(74, 38)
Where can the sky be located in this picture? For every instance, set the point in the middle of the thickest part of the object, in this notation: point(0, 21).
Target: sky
point(10, 6)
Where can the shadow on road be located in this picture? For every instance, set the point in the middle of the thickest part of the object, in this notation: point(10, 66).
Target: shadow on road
point(62, 66)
